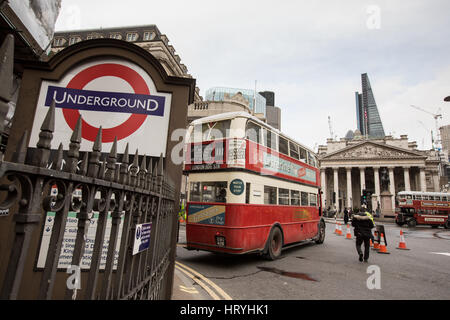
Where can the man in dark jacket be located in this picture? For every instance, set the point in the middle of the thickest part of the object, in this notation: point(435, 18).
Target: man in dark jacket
point(363, 225)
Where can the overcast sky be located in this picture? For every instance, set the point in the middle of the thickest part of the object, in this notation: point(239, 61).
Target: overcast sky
point(310, 53)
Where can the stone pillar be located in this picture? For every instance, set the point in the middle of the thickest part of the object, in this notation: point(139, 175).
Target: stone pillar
point(336, 186)
point(423, 180)
point(362, 174)
point(323, 181)
point(376, 178)
point(392, 187)
point(406, 177)
point(349, 187)
point(436, 185)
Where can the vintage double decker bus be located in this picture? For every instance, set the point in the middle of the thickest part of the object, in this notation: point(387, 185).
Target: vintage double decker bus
point(426, 208)
point(250, 187)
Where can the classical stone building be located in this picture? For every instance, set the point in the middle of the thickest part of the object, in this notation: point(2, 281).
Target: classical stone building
point(382, 166)
point(147, 37)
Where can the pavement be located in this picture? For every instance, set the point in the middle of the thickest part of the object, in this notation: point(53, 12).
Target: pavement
point(186, 284)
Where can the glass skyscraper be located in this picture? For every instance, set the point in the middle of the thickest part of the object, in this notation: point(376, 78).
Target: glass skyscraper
point(367, 117)
point(218, 93)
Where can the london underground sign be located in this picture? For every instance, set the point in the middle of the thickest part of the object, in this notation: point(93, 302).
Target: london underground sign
point(114, 94)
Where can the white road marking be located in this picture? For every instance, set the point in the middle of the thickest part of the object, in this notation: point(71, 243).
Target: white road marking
point(442, 253)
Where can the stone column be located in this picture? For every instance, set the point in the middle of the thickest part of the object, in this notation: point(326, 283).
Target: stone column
point(336, 186)
point(323, 182)
point(349, 187)
point(376, 178)
point(362, 175)
point(407, 181)
point(423, 180)
point(392, 187)
point(436, 181)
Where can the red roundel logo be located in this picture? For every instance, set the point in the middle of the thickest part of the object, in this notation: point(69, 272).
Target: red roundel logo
point(123, 130)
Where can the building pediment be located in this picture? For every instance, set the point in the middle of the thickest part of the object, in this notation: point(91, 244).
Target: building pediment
point(371, 150)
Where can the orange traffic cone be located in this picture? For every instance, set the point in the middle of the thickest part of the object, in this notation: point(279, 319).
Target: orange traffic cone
point(376, 245)
point(383, 248)
point(340, 230)
point(402, 244)
point(371, 243)
point(348, 235)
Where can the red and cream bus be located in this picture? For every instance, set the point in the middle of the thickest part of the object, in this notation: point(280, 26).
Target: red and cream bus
point(427, 208)
point(250, 187)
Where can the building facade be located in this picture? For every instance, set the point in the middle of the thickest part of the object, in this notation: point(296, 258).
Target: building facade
point(256, 102)
point(368, 118)
point(382, 166)
point(147, 37)
point(273, 113)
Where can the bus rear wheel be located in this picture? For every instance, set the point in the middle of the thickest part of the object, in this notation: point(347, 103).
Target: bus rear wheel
point(321, 233)
point(274, 244)
point(412, 223)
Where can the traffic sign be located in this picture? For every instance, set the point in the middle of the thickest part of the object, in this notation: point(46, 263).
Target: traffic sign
point(114, 94)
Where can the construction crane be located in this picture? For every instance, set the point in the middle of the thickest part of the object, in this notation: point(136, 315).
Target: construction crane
point(436, 116)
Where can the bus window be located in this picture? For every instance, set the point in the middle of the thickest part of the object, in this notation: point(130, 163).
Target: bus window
point(270, 139)
point(283, 146)
point(195, 194)
point(215, 130)
point(295, 198)
point(418, 197)
point(313, 199)
point(270, 195)
point(430, 198)
point(438, 198)
point(425, 198)
point(252, 132)
point(293, 149)
point(304, 199)
point(247, 193)
point(408, 196)
point(283, 196)
point(302, 154)
point(444, 198)
point(209, 191)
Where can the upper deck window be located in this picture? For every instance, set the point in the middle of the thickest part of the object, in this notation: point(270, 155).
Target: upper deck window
point(293, 148)
point(283, 146)
point(270, 139)
point(303, 154)
point(252, 132)
point(211, 131)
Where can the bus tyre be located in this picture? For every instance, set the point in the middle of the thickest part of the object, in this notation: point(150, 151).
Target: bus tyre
point(447, 224)
point(274, 244)
point(412, 223)
point(320, 238)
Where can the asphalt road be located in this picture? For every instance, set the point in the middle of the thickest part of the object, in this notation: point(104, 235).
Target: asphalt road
point(332, 270)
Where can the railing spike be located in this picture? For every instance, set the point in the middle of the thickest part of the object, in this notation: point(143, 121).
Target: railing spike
point(111, 161)
point(125, 157)
point(98, 141)
point(160, 165)
point(134, 169)
point(49, 121)
point(76, 134)
point(74, 148)
point(59, 157)
point(45, 137)
point(84, 164)
point(21, 153)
